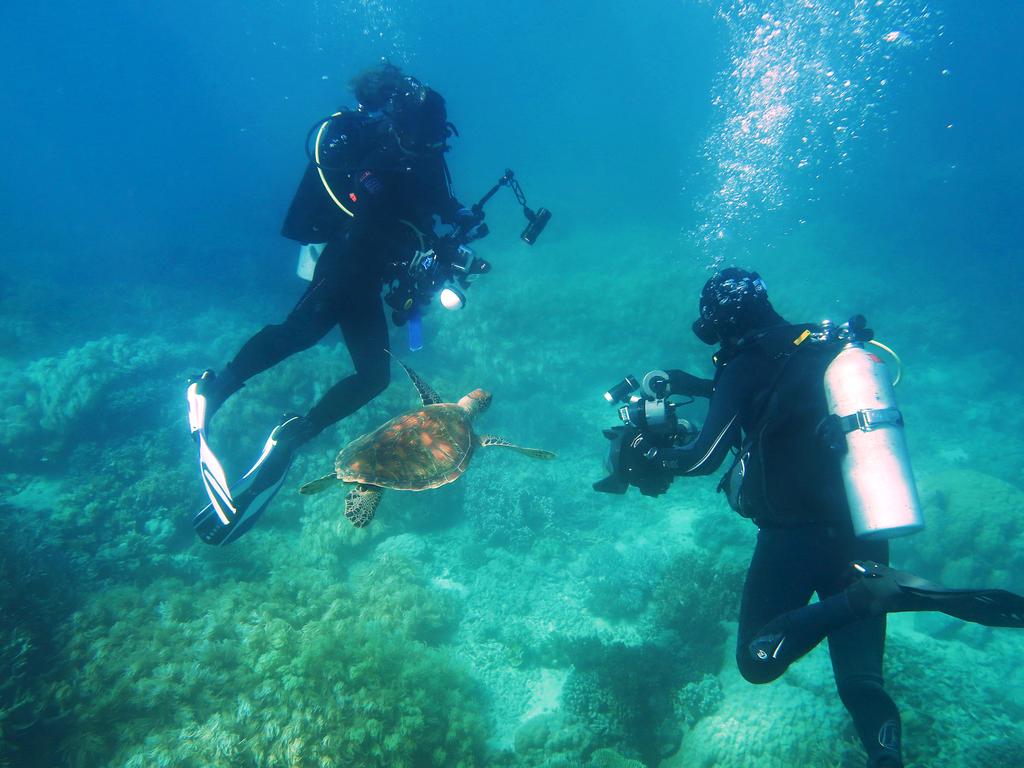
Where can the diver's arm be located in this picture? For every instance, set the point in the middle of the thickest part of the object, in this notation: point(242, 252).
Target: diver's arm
point(450, 210)
point(721, 432)
point(432, 189)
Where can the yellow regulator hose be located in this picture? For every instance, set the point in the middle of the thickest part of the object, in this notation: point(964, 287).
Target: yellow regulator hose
point(899, 363)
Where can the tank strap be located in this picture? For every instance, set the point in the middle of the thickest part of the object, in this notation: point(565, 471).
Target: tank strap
point(871, 419)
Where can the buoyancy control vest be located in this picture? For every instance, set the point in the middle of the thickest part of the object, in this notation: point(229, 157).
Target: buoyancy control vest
point(780, 475)
point(808, 454)
point(346, 151)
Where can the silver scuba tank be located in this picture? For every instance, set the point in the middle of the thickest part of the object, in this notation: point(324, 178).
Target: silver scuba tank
point(876, 469)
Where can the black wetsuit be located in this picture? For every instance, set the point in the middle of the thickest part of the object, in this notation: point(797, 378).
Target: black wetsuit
point(397, 196)
point(805, 541)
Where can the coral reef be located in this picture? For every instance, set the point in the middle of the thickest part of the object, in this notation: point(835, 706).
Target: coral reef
point(609, 758)
point(696, 593)
point(552, 738)
point(945, 689)
point(621, 579)
point(316, 678)
point(34, 598)
point(696, 700)
point(514, 619)
point(774, 726)
point(507, 509)
point(624, 694)
point(393, 594)
point(52, 401)
point(974, 531)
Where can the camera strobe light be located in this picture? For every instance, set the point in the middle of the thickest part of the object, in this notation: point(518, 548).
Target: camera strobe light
point(537, 222)
point(622, 390)
point(452, 298)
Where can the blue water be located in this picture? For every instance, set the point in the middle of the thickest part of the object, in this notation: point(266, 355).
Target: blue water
point(863, 156)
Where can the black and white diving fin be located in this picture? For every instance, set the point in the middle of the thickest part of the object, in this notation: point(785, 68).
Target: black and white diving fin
point(217, 524)
point(210, 470)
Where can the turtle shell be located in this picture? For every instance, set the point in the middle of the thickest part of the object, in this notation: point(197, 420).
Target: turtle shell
point(412, 452)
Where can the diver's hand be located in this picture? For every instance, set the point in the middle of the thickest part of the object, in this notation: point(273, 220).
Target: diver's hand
point(467, 218)
point(470, 222)
point(688, 385)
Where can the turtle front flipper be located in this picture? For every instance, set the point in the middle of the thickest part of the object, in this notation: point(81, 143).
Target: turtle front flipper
point(427, 394)
point(361, 503)
point(486, 441)
point(320, 484)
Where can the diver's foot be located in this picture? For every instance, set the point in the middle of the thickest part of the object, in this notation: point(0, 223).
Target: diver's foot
point(207, 393)
point(252, 494)
point(278, 452)
point(881, 589)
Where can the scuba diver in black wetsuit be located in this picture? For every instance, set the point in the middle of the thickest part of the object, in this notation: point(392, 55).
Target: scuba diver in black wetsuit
point(769, 404)
point(375, 180)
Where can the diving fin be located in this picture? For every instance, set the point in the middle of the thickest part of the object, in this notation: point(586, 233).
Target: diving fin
point(893, 591)
point(252, 493)
point(214, 480)
point(611, 484)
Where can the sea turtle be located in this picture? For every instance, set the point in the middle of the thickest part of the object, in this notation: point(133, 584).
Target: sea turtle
point(421, 449)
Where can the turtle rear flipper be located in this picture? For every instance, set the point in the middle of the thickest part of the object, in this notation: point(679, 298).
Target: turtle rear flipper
point(486, 441)
point(361, 503)
point(320, 484)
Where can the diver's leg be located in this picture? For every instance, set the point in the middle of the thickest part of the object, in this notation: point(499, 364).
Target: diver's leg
point(856, 652)
point(365, 330)
point(777, 625)
point(313, 316)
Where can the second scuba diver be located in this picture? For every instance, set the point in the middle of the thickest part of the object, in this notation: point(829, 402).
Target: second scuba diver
point(768, 402)
point(374, 183)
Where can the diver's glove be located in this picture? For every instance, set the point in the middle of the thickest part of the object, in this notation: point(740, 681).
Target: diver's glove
point(471, 223)
point(688, 385)
point(468, 217)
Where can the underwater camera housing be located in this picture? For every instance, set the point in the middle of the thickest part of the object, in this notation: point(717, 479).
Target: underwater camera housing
point(649, 420)
point(651, 411)
point(447, 267)
point(444, 272)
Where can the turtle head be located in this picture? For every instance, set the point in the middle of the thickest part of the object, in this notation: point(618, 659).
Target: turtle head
point(476, 401)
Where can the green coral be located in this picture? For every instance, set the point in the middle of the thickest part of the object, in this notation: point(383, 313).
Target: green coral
point(696, 593)
point(552, 739)
point(393, 594)
point(944, 689)
point(975, 523)
point(624, 694)
point(609, 758)
point(49, 401)
point(696, 700)
point(1003, 749)
point(34, 598)
point(283, 672)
